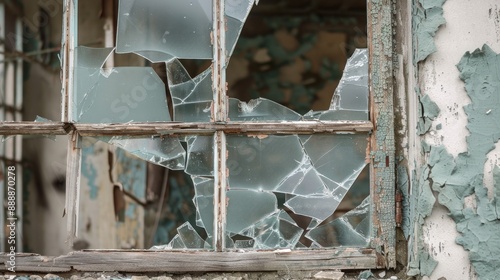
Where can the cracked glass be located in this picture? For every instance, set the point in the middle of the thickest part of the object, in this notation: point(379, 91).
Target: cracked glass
point(284, 191)
point(290, 180)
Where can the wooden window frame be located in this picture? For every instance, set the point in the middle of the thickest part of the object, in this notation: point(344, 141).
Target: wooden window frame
point(381, 253)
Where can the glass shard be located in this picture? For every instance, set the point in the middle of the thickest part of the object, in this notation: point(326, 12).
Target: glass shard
point(160, 30)
point(277, 230)
point(246, 207)
point(204, 202)
point(186, 238)
point(260, 109)
point(43, 120)
point(338, 159)
point(352, 92)
point(318, 207)
point(350, 100)
point(190, 237)
point(305, 180)
point(200, 160)
point(191, 98)
point(351, 229)
point(164, 151)
point(121, 94)
point(236, 15)
point(244, 244)
point(261, 164)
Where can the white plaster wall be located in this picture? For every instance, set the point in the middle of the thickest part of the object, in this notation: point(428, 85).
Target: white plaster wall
point(469, 25)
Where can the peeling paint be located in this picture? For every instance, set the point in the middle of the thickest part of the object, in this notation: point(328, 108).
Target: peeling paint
point(427, 18)
point(428, 111)
point(455, 179)
point(403, 186)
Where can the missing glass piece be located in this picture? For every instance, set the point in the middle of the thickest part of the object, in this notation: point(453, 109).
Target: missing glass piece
point(350, 100)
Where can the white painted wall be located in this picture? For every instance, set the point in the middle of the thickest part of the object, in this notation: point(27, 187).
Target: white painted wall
point(469, 25)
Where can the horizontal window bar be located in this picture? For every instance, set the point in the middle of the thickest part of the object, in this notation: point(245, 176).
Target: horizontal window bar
point(165, 128)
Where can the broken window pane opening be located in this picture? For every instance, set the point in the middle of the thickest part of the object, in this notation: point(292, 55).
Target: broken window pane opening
point(298, 59)
point(136, 194)
point(33, 167)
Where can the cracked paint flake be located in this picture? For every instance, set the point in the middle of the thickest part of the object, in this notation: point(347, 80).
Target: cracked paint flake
point(426, 20)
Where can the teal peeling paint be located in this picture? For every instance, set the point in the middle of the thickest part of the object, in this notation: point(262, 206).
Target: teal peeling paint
point(89, 172)
point(427, 17)
point(366, 274)
point(428, 111)
point(457, 178)
point(422, 201)
point(424, 266)
point(403, 186)
point(132, 178)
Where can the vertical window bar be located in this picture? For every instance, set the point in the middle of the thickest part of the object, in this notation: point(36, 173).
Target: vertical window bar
point(380, 18)
point(73, 172)
point(19, 139)
point(19, 70)
point(69, 43)
point(2, 171)
point(219, 115)
point(10, 81)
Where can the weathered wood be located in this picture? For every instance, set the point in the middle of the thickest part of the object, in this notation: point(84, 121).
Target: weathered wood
point(148, 129)
point(33, 128)
point(299, 127)
point(160, 261)
point(380, 45)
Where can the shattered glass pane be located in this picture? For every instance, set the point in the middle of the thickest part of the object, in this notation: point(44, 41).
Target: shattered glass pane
point(315, 172)
point(351, 229)
point(160, 30)
point(115, 95)
point(191, 98)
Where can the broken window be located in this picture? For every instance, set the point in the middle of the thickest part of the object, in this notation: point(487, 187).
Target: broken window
point(272, 181)
point(177, 143)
